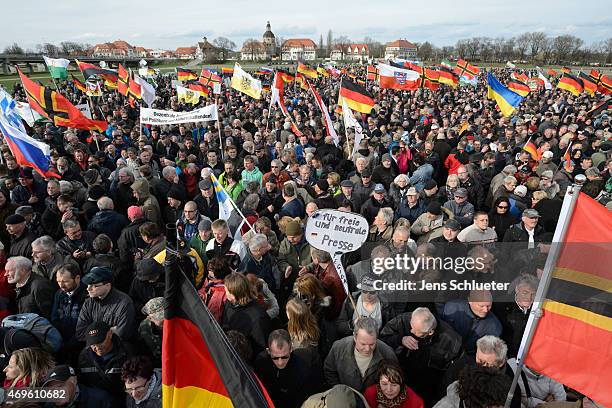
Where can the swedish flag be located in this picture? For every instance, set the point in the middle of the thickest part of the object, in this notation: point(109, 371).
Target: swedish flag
point(507, 100)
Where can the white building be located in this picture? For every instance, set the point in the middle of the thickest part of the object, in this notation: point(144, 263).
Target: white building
point(260, 50)
point(298, 48)
point(400, 49)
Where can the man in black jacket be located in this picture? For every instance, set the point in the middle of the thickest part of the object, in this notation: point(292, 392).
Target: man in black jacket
point(528, 230)
point(287, 376)
point(130, 241)
point(34, 294)
point(21, 237)
point(424, 346)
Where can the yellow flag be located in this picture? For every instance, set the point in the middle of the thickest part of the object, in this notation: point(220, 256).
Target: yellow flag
point(186, 95)
point(245, 83)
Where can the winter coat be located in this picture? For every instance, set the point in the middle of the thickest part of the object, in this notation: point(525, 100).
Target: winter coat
point(458, 314)
point(475, 192)
point(116, 310)
point(421, 176)
point(412, 400)
point(250, 320)
point(464, 212)
point(36, 296)
point(108, 222)
point(340, 366)
point(65, 311)
point(130, 240)
point(154, 400)
point(22, 245)
point(147, 202)
point(370, 208)
point(517, 233)
point(410, 213)
point(345, 323)
point(435, 226)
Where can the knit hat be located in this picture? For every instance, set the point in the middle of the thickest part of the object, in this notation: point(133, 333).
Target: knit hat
point(154, 308)
point(293, 228)
point(323, 184)
point(175, 192)
point(91, 176)
point(434, 208)
point(14, 219)
point(95, 192)
point(520, 191)
point(548, 174)
point(134, 212)
point(430, 185)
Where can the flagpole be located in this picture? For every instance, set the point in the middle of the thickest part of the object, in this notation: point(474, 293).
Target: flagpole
point(569, 204)
point(215, 180)
point(219, 127)
point(562, 157)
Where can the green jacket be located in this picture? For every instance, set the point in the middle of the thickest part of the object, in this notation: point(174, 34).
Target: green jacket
point(253, 175)
point(199, 246)
point(234, 191)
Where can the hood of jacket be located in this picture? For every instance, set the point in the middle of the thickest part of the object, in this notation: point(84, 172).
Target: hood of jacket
point(141, 186)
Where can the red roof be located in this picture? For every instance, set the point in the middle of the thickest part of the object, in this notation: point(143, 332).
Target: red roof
point(299, 42)
point(401, 44)
point(185, 50)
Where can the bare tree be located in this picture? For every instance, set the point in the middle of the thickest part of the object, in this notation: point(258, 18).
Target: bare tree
point(375, 47)
point(14, 49)
point(225, 44)
point(565, 46)
point(425, 51)
point(48, 49)
point(508, 49)
point(473, 47)
point(343, 42)
point(522, 43)
point(320, 51)
point(251, 46)
point(537, 41)
point(486, 49)
point(461, 49)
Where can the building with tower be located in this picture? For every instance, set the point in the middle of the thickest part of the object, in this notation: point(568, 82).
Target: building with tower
point(253, 50)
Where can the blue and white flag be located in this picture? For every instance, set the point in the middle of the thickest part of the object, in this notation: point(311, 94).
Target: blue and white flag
point(27, 150)
point(225, 201)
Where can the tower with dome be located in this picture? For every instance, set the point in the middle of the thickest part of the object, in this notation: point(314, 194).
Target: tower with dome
point(269, 41)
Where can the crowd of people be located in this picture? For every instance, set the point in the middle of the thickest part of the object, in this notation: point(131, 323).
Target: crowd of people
point(437, 174)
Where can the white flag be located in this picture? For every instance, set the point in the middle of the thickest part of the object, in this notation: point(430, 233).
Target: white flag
point(351, 122)
point(147, 90)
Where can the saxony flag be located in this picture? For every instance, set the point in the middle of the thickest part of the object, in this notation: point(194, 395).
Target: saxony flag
point(58, 67)
point(245, 83)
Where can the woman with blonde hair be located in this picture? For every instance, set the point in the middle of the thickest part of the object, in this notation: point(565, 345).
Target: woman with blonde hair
point(447, 193)
point(243, 313)
point(27, 368)
point(333, 180)
point(302, 325)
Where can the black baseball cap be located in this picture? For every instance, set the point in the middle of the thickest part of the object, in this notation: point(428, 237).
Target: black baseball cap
point(96, 333)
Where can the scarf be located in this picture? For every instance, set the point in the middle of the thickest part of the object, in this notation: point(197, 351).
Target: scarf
point(391, 403)
point(150, 389)
point(375, 314)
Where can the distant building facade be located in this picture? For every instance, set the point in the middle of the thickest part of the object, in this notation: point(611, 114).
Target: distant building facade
point(298, 48)
point(263, 50)
point(400, 49)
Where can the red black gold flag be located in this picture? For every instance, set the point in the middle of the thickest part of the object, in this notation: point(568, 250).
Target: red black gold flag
point(227, 71)
point(307, 70)
point(372, 74)
point(571, 84)
point(599, 108)
point(552, 72)
point(122, 84)
point(518, 87)
point(78, 84)
point(198, 87)
point(571, 343)
point(200, 368)
point(183, 74)
point(55, 107)
point(356, 96)
point(91, 69)
point(447, 76)
point(589, 85)
point(605, 87)
point(566, 70)
point(466, 69)
point(301, 81)
point(286, 76)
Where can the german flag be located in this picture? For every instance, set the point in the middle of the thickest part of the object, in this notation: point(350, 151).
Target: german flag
point(286, 76)
point(183, 74)
point(520, 76)
point(203, 90)
point(356, 96)
point(532, 149)
point(571, 343)
point(321, 70)
point(91, 69)
point(55, 107)
point(307, 70)
point(78, 84)
point(227, 71)
point(200, 368)
point(589, 85)
point(518, 87)
point(372, 73)
point(571, 84)
point(466, 69)
point(552, 72)
point(124, 78)
point(134, 92)
point(301, 81)
point(447, 76)
point(566, 70)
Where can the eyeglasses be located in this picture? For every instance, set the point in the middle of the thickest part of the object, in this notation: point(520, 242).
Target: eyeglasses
point(95, 285)
point(274, 167)
point(280, 358)
point(136, 389)
point(502, 207)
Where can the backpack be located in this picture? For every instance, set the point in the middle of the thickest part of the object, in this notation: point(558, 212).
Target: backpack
point(49, 336)
point(340, 396)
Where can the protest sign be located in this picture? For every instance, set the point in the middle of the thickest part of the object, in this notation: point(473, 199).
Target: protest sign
point(167, 117)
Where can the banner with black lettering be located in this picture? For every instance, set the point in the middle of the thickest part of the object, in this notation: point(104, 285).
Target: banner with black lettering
point(166, 117)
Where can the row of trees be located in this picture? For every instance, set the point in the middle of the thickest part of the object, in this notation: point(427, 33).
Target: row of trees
point(64, 48)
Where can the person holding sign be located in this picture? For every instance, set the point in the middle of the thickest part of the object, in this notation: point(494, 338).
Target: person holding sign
point(324, 269)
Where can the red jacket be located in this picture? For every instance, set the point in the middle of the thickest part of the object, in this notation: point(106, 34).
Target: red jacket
point(452, 164)
point(413, 400)
point(214, 298)
point(333, 286)
point(403, 160)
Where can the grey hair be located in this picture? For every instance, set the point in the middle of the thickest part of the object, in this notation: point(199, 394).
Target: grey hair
point(401, 177)
point(257, 241)
point(528, 280)
point(387, 214)
point(251, 202)
point(105, 203)
point(367, 324)
point(278, 163)
point(380, 251)
point(168, 171)
point(429, 320)
point(592, 172)
point(493, 345)
point(45, 242)
point(70, 224)
point(126, 171)
point(21, 263)
point(508, 179)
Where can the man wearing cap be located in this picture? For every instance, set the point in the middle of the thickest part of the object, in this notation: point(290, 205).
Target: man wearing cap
point(33, 293)
point(293, 254)
point(146, 201)
point(323, 198)
point(460, 207)
point(148, 282)
point(528, 230)
point(130, 241)
point(101, 360)
point(372, 205)
point(347, 193)
point(106, 304)
point(206, 201)
point(21, 237)
point(429, 224)
point(150, 329)
point(29, 191)
point(363, 186)
point(201, 238)
point(412, 207)
point(64, 377)
point(546, 163)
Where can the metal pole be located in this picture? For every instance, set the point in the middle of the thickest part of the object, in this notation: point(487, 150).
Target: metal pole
point(569, 203)
point(219, 127)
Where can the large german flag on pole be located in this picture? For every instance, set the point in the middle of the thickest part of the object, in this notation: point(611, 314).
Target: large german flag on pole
point(123, 83)
point(55, 107)
point(356, 96)
point(571, 84)
point(572, 341)
point(184, 74)
point(91, 69)
point(200, 368)
point(307, 70)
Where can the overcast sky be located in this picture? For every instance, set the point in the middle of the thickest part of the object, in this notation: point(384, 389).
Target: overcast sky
point(170, 24)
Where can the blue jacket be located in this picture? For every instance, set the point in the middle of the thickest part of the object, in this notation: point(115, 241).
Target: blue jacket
point(421, 176)
point(470, 327)
point(295, 208)
point(65, 312)
point(411, 214)
point(108, 222)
